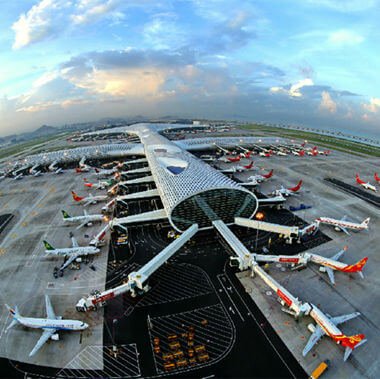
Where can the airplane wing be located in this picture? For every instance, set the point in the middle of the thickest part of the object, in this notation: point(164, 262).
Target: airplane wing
point(344, 230)
point(49, 309)
point(47, 333)
point(81, 225)
point(71, 259)
point(341, 319)
point(314, 338)
point(74, 242)
point(330, 273)
point(85, 212)
point(338, 255)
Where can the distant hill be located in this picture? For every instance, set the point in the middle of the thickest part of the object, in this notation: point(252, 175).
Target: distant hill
point(44, 130)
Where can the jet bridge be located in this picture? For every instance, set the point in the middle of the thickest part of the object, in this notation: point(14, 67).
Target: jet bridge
point(137, 279)
point(156, 215)
point(131, 196)
point(289, 232)
point(243, 254)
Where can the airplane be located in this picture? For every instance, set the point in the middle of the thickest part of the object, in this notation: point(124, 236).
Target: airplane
point(288, 191)
point(366, 185)
point(298, 153)
point(86, 219)
point(342, 224)
point(71, 253)
point(82, 167)
point(53, 168)
point(247, 154)
point(50, 325)
point(254, 180)
point(90, 199)
point(238, 168)
point(230, 159)
point(377, 178)
point(266, 153)
point(327, 325)
point(102, 184)
point(314, 151)
point(332, 264)
point(104, 173)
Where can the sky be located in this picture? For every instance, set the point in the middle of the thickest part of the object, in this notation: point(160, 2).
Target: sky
point(306, 62)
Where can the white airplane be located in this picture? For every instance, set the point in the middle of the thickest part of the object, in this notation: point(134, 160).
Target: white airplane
point(366, 185)
point(343, 224)
point(86, 219)
point(50, 325)
point(102, 184)
point(238, 168)
point(82, 167)
point(261, 177)
point(90, 199)
point(327, 325)
point(72, 253)
point(288, 191)
point(100, 173)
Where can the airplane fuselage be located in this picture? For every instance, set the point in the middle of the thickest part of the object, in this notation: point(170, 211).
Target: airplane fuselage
point(81, 250)
point(80, 219)
point(44, 323)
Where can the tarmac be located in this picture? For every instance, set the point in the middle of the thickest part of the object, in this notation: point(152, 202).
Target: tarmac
point(351, 293)
point(26, 273)
point(36, 202)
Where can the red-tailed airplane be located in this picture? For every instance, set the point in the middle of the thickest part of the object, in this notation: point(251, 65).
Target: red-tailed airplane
point(366, 185)
point(288, 191)
point(254, 180)
point(377, 178)
point(343, 224)
point(90, 199)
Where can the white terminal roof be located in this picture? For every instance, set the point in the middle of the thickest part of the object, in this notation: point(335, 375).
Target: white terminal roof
point(177, 173)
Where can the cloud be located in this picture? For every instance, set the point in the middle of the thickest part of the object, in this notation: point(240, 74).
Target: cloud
point(373, 106)
point(344, 37)
point(294, 90)
point(40, 22)
point(347, 6)
point(92, 10)
point(327, 103)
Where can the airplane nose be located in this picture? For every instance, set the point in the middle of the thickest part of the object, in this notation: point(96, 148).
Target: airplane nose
point(85, 326)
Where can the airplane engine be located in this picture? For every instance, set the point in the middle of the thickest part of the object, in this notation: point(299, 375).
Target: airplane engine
point(55, 337)
point(79, 260)
point(337, 229)
point(322, 269)
point(311, 327)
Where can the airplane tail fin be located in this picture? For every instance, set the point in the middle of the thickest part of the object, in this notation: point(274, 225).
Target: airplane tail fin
point(365, 223)
point(48, 246)
point(269, 175)
point(297, 187)
point(76, 197)
point(357, 267)
point(65, 214)
point(358, 180)
point(15, 315)
point(377, 178)
point(350, 343)
point(87, 184)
